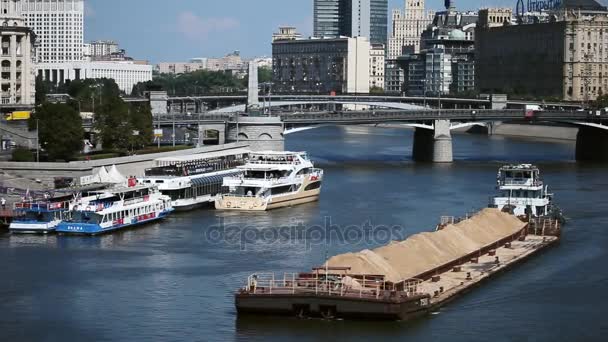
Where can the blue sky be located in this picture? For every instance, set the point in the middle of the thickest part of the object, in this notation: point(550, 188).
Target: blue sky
point(176, 30)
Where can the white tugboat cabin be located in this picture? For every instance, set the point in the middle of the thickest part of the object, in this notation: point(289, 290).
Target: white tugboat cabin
point(522, 191)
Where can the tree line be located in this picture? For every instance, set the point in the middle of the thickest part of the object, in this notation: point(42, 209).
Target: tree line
point(199, 82)
point(121, 126)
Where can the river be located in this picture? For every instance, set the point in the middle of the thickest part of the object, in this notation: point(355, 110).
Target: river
point(174, 280)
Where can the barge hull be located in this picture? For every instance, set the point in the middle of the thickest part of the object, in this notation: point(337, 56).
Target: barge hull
point(328, 307)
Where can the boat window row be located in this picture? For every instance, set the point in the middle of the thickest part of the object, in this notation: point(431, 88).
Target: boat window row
point(519, 174)
point(208, 189)
point(275, 174)
point(283, 189)
point(197, 167)
point(313, 186)
point(522, 194)
point(147, 209)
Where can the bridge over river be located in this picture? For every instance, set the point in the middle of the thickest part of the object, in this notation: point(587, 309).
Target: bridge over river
point(432, 139)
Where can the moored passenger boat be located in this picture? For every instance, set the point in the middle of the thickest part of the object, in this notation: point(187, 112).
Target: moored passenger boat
point(195, 181)
point(42, 216)
point(272, 180)
point(117, 209)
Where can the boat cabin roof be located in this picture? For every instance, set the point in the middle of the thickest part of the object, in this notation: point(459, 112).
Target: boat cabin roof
point(125, 190)
point(519, 167)
point(266, 167)
point(277, 154)
point(201, 156)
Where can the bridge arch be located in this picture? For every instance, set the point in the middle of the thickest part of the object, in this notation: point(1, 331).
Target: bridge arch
point(265, 136)
point(243, 136)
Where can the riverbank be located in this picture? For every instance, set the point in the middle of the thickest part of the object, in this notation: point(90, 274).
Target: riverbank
point(536, 131)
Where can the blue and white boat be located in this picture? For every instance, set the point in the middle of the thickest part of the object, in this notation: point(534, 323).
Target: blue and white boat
point(42, 216)
point(116, 209)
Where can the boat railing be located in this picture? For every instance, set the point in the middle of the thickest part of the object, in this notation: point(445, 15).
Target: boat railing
point(271, 181)
point(294, 161)
point(329, 285)
point(41, 206)
point(101, 206)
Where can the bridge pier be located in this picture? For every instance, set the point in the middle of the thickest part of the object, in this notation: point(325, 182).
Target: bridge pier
point(261, 133)
point(592, 144)
point(433, 145)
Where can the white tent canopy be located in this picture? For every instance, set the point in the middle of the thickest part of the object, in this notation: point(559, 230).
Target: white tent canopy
point(116, 176)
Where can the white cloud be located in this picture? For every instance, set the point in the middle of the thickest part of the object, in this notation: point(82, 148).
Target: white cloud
point(196, 28)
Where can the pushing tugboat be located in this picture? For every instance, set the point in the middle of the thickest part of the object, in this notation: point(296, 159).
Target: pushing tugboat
point(522, 192)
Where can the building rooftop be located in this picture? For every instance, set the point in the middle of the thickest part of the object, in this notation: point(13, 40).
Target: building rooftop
point(585, 5)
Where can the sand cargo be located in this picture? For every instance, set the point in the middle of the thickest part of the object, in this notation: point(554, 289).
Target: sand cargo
point(403, 279)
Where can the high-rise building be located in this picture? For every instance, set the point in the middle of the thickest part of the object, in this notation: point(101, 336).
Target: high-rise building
point(378, 22)
point(351, 18)
point(58, 25)
point(408, 26)
point(17, 76)
point(407, 29)
point(327, 17)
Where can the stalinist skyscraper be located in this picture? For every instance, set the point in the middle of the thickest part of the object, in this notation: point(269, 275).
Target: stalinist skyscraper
point(408, 26)
point(406, 31)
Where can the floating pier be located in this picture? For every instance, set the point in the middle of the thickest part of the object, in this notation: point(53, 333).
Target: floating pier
point(404, 279)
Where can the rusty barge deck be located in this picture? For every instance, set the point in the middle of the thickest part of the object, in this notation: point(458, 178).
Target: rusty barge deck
point(342, 292)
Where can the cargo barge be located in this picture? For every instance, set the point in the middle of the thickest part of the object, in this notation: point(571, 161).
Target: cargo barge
point(406, 279)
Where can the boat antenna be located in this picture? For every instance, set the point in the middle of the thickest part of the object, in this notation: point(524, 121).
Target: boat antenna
point(326, 262)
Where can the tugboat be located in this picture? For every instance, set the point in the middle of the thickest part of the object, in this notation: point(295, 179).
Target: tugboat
point(272, 180)
point(521, 191)
point(115, 209)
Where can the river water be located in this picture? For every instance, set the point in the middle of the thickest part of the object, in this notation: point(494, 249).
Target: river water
point(174, 281)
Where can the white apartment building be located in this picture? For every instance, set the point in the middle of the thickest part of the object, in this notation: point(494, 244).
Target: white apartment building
point(178, 68)
point(58, 25)
point(100, 48)
point(125, 73)
point(17, 81)
point(376, 66)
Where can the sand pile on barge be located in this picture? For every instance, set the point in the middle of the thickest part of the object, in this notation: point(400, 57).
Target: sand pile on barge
point(423, 252)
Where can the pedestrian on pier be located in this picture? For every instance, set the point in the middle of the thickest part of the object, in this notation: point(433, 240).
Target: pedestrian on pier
point(3, 203)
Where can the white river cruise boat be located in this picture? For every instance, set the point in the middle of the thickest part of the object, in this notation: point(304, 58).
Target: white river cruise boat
point(115, 209)
point(196, 180)
point(272, 180)
point(522, 191)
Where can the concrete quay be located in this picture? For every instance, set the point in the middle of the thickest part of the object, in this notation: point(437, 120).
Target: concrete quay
point(44, 174)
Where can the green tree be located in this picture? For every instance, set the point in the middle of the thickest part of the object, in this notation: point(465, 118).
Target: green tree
point(112, 118)
point(140, 116)
point(60, 131)
point(264, 74)
point(193, 83)
point(600, 102)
